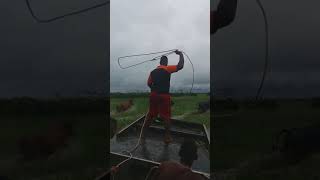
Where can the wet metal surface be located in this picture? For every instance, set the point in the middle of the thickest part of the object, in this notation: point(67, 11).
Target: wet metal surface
point(154, 148)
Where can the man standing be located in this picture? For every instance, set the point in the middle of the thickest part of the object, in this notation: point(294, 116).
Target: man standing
point(160, 99)
point(223, 16)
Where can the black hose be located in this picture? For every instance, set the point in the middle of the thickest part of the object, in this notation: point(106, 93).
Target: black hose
point(39, 20)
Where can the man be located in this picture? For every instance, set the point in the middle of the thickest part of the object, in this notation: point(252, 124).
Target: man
point(160, 99)
point(171, 170)
point(223, 16)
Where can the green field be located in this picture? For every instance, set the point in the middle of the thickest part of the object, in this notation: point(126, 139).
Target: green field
point(244, 141)
point(184, 108)
point(85, 156)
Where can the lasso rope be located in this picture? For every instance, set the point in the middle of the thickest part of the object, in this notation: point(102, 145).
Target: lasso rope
point(167, 52)
point(265, 69)
point(145, 54)
point(114, 168)
point(142, 128)
point(40, 20)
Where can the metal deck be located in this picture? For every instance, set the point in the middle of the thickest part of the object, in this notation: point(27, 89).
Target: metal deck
point(154, 151)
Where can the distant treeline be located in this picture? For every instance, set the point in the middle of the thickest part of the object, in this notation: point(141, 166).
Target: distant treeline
point(266, 103)
point(30, 106)
point(87, 105)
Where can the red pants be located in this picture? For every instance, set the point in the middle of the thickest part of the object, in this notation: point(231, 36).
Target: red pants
point(160, 104)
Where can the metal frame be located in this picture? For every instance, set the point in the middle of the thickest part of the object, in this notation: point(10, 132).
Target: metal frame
point(177, 122)
point(153, 163)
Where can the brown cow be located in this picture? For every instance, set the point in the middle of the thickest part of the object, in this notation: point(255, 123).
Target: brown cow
point(124, 106)
point(42, 146)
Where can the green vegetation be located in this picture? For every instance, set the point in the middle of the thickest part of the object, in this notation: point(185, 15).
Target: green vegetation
point(248, 135)
point(85, 156)
point(184, 108)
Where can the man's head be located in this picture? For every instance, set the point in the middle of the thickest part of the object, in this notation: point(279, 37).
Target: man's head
point(188, 152)
point(164, 60)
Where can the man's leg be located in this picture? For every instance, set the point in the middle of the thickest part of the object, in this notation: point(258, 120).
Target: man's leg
point(147, 122)
point(151, 115)
point(165, 114)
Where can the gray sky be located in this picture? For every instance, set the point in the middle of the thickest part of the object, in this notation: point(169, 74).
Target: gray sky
point(143, 26)
point(67, 56)
point(238, 50)
point(70, 56)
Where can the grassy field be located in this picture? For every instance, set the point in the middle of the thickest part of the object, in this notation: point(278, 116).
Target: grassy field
point(183, 108)
point(247, 136)
point(84, 158)
point(244, 136)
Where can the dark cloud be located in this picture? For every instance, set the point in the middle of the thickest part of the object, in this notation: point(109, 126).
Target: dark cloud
point(238, 50)
point(68, 56)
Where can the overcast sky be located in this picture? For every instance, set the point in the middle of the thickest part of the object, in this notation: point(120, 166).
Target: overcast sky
point(67, 56)
point(70, 56)
point(238, 50)
point(143, 26)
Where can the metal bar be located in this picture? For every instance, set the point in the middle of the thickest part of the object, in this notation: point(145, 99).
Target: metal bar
point(207, 133)
point(136, 158)
point(180, 122)
point(153, 162)
point(177, 132)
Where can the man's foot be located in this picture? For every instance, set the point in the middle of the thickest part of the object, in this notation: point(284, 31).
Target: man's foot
point(167, 139)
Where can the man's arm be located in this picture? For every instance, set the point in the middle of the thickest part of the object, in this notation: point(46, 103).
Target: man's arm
point(181, 60)
point(179, 66)
point(223, 16)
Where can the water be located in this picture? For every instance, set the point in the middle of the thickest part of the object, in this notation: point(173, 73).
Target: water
point(154, 149)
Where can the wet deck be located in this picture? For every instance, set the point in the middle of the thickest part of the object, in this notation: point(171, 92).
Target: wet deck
point(154, 148)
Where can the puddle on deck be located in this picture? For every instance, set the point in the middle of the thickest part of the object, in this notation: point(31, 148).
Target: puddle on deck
point(154, 149)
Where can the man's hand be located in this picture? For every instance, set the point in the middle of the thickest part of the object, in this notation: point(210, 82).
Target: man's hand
point(181, 60)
